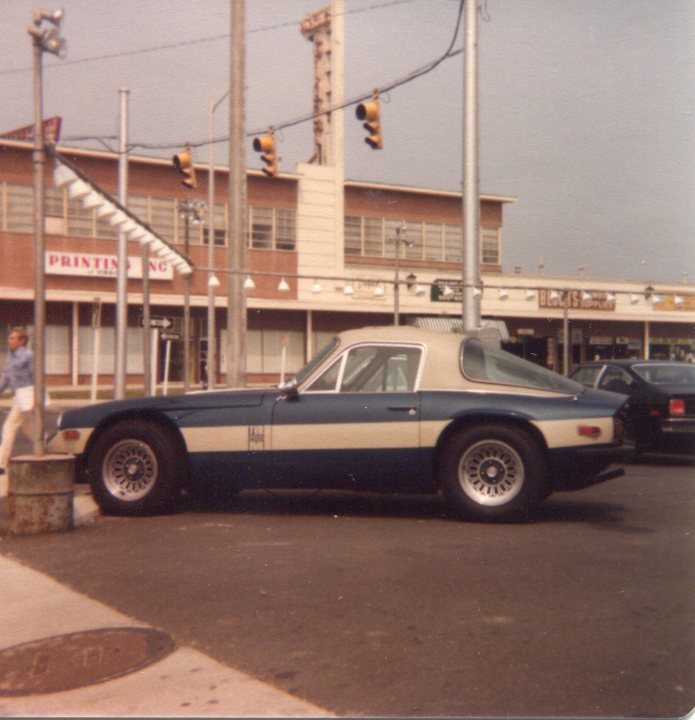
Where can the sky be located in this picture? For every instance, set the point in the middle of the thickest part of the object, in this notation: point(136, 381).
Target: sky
point(586, 107)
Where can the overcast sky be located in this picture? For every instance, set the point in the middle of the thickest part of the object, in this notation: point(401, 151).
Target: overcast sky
point(586, 106)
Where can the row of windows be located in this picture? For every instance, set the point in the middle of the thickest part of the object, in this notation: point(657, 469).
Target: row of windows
point(268, 228)
point(441, 242)
point(264, 349)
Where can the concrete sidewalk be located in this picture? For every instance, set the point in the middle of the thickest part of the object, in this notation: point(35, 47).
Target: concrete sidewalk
point(185, 683)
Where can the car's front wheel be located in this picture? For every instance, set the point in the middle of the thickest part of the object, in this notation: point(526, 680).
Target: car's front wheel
point(493, 472)
point(133, 469)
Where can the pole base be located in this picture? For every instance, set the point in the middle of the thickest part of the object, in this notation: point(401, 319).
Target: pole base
point(40, 494)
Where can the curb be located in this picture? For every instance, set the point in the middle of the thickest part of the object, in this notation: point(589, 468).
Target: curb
point(84, 509)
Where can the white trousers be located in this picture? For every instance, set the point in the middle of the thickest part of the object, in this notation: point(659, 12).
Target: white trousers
point(15, 420)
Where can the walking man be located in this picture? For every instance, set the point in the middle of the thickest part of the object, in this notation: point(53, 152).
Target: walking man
point(18, 376)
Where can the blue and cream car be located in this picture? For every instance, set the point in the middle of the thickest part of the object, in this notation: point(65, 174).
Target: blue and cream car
point(388, 409)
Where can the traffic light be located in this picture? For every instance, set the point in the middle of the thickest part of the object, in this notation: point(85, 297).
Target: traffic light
point(370, 112)
point(265, 144)
point(183, 162)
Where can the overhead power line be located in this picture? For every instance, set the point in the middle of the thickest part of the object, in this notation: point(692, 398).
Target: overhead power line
point(188, 43)
point(392, 85)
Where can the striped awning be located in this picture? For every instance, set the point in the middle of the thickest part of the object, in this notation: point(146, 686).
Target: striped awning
point(455, 325)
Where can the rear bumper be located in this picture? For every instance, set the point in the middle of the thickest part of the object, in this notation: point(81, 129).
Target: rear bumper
point(580, 468)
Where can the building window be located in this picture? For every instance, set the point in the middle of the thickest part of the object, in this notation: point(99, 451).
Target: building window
point(285, 229)
point(453, 243)
point(490, 246)
point(261, 228)
point(353, 235)
point(264, 351)
point(272, 228)
point(20, 208)
point(436, 242)
point(163, 217)
point(220, 226)
point(373, 245)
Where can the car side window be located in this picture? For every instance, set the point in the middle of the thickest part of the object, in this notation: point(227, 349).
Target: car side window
point(586, 375)
point(616, 379)
point(372, 369)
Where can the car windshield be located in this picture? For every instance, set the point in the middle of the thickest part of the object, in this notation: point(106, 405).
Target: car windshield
point(485, 364)
point(666, 373)
point(320, 356)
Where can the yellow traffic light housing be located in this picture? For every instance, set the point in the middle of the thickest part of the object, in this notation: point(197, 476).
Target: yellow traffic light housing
point(183, 162)
point(370, 112)
point(266, 145)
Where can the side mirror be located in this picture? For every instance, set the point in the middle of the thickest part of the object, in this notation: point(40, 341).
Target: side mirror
point(289, 390)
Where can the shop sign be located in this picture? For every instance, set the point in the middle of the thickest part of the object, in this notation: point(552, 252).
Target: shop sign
point(50, 127)
point(105, 266)
point(437, 291)
point(598, 301)
point(668, 302)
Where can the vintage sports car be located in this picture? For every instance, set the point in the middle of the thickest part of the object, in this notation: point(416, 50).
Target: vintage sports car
point(662, 399)
point(389, 409)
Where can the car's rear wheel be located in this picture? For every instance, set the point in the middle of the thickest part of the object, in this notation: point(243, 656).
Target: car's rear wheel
point(133, 469)
point(492, 472)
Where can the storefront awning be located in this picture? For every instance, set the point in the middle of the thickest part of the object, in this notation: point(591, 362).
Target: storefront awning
point(455, 325)
point(80, 187)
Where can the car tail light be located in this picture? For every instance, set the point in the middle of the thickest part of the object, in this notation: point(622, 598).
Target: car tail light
point(592, 431)
point(676, 406)
point(71, 434)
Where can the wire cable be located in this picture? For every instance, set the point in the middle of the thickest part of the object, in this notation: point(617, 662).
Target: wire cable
point(413, 75)
point(188, 43)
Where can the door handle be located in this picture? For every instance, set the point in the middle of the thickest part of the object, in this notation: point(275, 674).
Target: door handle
point(410, 409)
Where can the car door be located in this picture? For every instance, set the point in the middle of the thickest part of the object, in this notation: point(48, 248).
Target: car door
point(356, 425)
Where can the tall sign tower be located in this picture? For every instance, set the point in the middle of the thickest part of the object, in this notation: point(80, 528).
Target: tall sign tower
point(318, 29)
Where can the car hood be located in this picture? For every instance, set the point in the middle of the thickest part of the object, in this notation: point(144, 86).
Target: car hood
point(90, 415)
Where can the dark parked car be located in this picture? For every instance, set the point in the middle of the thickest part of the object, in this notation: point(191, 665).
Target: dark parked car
point(383, 409)
point(662, 399)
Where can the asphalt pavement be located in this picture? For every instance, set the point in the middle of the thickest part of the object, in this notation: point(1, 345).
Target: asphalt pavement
point(57, 650)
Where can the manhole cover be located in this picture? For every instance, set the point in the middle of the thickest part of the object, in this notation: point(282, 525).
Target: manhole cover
point(66, 662)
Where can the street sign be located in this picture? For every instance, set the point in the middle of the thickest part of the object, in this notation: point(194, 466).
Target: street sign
point(168, 336)
point(157, 321)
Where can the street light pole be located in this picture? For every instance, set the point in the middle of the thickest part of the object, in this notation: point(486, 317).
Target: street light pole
point(212, 330)
point(190, 211)
point(236, 297)
point(45, 39)
point(471, 194)
point(398, 240)
point(119, 389)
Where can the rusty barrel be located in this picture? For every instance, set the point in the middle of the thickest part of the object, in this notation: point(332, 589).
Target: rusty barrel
point(40, 493)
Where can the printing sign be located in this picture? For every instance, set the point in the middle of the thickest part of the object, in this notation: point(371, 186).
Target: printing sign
point(106, 266)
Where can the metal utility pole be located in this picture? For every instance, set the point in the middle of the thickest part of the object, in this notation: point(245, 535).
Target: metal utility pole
point(236, 299)
point(470, 314)
point(46, 37)
point(119, 384)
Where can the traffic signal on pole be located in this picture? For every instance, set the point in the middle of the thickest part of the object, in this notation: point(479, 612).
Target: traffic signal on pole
point(183, 162)
point(265, 144)
point(370, 112)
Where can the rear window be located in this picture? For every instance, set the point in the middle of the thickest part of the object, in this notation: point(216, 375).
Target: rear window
point(667, 374)
point(485, 364)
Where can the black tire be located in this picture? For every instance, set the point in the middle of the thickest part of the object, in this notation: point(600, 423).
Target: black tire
point(134, 469)
point(493, 473)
